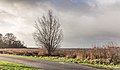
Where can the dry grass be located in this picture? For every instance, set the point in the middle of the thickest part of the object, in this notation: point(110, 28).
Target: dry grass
point(23, 51)
point(107, 54)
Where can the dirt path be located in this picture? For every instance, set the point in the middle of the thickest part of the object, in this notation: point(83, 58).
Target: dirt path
point(45, 65)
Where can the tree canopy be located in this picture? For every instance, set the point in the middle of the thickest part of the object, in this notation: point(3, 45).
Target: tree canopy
point(49, 34)
point(9, 41)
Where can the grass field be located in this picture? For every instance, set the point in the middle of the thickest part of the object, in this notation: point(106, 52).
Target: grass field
point(4, 65)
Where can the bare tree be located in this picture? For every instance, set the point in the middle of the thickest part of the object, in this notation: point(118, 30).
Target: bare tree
point(1, 41)
point(9, 41)
point(49, 34)
point(9, 38)
point(1, 36)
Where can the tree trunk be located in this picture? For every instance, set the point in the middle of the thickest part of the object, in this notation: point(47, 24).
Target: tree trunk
point(49, 53)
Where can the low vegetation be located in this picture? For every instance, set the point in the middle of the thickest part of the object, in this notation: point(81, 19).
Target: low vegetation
point(71, 60)
point(85, 62)
point(107, 55)
point(14, 66)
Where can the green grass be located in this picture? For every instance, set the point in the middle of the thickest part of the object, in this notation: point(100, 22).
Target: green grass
point(4, 65)
point(70, 60)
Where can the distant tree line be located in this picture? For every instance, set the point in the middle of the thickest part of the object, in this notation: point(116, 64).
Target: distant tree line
point(9, 41)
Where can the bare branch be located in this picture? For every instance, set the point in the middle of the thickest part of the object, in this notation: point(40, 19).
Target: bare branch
point(49, 34)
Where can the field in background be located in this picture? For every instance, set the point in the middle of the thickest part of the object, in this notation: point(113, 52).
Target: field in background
point(62, 52)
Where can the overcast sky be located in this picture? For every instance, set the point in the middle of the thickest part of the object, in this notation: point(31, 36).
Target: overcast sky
point(84, 22)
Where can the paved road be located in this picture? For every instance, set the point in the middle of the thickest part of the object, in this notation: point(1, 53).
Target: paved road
point(46, 65)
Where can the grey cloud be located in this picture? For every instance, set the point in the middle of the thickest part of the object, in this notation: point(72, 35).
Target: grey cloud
point(84, 22)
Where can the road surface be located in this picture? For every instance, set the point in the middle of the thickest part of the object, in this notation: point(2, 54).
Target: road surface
point(46, 65)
